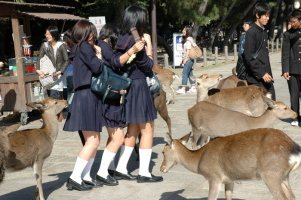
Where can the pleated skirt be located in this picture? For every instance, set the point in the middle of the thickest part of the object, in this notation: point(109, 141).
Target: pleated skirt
point(84, 112)
point(113, 114)
point(139, 105)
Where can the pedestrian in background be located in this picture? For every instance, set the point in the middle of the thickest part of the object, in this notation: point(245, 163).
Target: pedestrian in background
point(247, 24)
point(187, 62)
point(259, 68)
point(291, 62)
point(84, 113)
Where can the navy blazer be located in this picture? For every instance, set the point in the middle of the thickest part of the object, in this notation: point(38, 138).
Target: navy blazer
point(109, 58)
point(261, 65)
point(291, 51)
point(85, 63)
point(140, 66)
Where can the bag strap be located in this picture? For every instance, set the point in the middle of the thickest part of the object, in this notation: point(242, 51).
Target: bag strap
point(258, 50)
point(192, 43)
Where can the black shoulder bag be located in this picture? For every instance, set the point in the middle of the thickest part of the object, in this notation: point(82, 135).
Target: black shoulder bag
point(241, 66)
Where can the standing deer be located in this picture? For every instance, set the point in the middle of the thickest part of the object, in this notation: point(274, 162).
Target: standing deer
point(210, 120)
point(32, 146)
point(266, 154)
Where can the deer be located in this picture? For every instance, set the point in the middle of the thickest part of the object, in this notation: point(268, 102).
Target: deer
point(204, 83)
point(210, 120)
point(244, 99)
point(264, 154)
point(4, 146)
point(166, 78)
point(231, 82)
point(30, 147)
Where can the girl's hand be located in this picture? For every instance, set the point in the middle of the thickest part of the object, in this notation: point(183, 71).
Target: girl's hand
point(98, 51)
point(147, 38)
point(138, 46)
point(40, 73)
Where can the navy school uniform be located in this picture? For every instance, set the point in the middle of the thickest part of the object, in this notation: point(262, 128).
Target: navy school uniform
point(139, 106)
point(84, 111)
point(113, 114)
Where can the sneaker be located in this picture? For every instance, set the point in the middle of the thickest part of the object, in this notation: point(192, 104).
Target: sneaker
point(181, 91)
point(192, 90)
point(295, 123)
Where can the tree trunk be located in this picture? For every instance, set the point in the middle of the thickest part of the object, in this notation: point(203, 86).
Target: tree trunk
point(201, 11)
point(119, 11)
point(281, 20)
point(274, 19)
point(218, 26)
point(232, 29)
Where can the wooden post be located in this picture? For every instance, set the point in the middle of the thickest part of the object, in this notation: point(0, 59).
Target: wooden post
point(205, 57)
point(268, 45)
point(235, 52)
point(21, 95)
point(226, 53)
point(166, 64)
point(272, 45)
point(216, 55)
point(277, 44)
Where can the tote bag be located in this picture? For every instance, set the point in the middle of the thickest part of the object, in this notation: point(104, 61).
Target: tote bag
point(47, 67)
point(195, 51)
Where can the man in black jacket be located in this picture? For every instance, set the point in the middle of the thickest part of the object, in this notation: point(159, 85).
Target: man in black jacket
point(256, 51)
point(291, 61)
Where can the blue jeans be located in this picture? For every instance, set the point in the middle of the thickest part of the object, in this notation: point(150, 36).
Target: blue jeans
point(187, 72)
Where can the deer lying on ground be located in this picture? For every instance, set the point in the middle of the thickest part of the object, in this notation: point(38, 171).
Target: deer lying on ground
point(166, 78)
point(267, 154)
point(32, 146)
point(204, 83)
point(210, 120)
point(244, 99)
point(4, 146)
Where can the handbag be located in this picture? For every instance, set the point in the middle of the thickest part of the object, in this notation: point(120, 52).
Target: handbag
point(241, 66)
point(195, 51)
point(110, 84)
point(153, 84)
point(50, 77)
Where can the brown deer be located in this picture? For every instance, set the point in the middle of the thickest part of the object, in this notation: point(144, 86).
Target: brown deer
point(30, 148)
point(204, 83)
point(210, 120)
point(4, 146)
point(231, 82)
point(161, 107)
point(166, 78)
point(266, 154)
point(244, 99)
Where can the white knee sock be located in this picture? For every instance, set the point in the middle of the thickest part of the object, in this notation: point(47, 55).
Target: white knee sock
point(79, 167)
point(106, 159)
point(125, 155)
point(144, 160)
point(86, 173)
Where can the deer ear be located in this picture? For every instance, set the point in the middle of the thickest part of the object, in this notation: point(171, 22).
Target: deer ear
point(185, 138)
point(213, 91)
point(168, 138)
point(193, 78)
point(240, 83)
point(270, 102)
point(35, 105)
point(9, 130)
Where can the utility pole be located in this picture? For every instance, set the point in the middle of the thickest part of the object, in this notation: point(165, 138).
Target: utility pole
point(154, 31)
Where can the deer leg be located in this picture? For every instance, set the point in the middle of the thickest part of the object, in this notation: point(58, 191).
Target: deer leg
point(287, 189)
point(274, 184)
point(195, 137)
point(229, 190)
point(173, 94)
point(214, 187)
point(203, 139)
point(163, 112)
point(38, 165)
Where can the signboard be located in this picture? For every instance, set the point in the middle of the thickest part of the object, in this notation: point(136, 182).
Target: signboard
point(178, 49)
point(99, 22)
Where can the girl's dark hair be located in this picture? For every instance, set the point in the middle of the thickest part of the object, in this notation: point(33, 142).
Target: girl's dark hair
point(67, 39)
point(296, 14)
point(109, 31)
point(188, 33)
point(82, 30)
point(54, 32)
point(134, 16)
point(261, 9)
point(248, 21)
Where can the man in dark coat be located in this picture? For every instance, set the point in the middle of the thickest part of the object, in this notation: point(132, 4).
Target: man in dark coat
point(256, 51)
point(291, 61)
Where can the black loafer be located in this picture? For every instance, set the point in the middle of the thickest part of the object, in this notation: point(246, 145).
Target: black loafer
point(146, 179)
point(111, 172)
point(94, 183)
point(119, 176)
point(107, 181)
point(71, 184)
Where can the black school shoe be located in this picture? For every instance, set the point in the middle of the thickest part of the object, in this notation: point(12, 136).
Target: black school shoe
point(71, 184)
point(129, 177)
point(110, 181)
point(111, 172)
point(146, 179)
point(94, 183)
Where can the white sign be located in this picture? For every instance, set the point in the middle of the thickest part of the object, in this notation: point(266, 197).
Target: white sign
point(99, 22)
point(178, 49)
